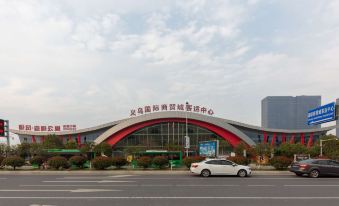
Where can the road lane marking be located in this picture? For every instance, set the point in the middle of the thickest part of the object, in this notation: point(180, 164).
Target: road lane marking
point(131, 185)
point(86, 181)
point(311, 185)
point(209, 197)
point(76, 190)
point(261, 185)
point(97, 177)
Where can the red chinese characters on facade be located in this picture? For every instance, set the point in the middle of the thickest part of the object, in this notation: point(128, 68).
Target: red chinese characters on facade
point(21, 127)
point(171, 107)
point(155, 108)
point(148, 109)
point(180, 107)
point(164, 107)
point(133, 113)
point(57, 128)
point(43, 128)
point(140, 111)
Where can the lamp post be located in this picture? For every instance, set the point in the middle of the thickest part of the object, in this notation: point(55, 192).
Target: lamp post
point(321, 145)
point(187, 142)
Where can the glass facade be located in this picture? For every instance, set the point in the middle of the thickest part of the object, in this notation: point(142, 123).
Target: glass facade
point(170, 136)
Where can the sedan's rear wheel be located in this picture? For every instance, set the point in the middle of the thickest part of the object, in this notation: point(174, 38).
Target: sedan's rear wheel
point(314, 174)
point(205, 173)
point(242, 173)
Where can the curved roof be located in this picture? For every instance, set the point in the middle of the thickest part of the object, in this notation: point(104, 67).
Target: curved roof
point(165, 115)
point(174, 114)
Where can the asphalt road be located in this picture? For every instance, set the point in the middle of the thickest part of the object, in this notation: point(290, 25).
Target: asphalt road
point(166, 190)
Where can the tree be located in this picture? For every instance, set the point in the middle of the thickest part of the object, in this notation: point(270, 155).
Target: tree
point(13, 161)
point(52, 142)
point(87, 147)
point(289, 150)
point(263, 149)
point(36, 149)
point(24, 150)
point(330, 147)
point(103, 148)
point(239, 149)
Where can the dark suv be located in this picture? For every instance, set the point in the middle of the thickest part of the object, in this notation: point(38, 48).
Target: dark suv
point(316, 167)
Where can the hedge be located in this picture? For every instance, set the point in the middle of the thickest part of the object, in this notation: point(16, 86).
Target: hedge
point(37, 160)
point(78, 161)
point(58, 162)
point(189, 160)
point(144, 161)
point(160, 161)
point(241, 160)
point(280, 162)
point(118, 162)
point(13, 161)
point(101, 162)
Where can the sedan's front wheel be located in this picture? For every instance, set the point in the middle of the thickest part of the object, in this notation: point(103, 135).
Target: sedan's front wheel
point(242, 173)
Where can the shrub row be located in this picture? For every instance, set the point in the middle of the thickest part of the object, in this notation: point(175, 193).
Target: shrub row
point(189, 160)
point(102, 162)
point(158, 161)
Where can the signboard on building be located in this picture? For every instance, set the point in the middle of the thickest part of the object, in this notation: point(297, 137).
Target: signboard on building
point(171, 107)
point(44, 128)
point(209, 148)
point(187, 142)
point(322, 114)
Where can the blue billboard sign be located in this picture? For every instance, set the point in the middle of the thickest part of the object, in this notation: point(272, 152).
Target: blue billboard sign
point(321, 114)
point(208, 149)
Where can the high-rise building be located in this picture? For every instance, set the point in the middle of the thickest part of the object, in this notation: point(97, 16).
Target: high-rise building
point(337, 132)
point(286, 112)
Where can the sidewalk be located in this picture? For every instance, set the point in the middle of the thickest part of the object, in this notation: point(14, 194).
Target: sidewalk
point(122, 172)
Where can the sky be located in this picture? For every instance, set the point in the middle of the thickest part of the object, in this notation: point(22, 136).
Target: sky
point(88, 62)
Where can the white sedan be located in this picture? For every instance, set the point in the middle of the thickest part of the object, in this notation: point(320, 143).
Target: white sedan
point(219, 167)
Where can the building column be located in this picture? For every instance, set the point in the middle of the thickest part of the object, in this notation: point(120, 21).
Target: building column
point(292, 139)
point(79, 139)
point(33, 139)
point(274, 139)
point(302, 141)
point(283, 138)
point(310, 141)
point(265, 137)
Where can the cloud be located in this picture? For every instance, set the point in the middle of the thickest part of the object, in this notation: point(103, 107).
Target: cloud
point(90, 62)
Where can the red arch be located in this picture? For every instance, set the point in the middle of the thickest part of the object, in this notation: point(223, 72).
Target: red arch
point(227, 135)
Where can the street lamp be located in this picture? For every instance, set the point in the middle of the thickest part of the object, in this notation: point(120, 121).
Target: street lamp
point(321, 144)
point(187, 140)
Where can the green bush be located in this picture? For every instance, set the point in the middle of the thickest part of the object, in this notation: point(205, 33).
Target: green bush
point(37, 160)
point(101, 162)
point(13, 161)
point(160, 161)
point(118, 162)
point(144, 161)
point(241, 160)
point(280, 162)
point(58, 162)
point(189, 160)
point(78, 161)
point(1, 159)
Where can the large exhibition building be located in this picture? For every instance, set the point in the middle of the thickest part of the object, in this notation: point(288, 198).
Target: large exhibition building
point(163, 130)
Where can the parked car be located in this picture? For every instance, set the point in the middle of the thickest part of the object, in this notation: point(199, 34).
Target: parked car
point(219, 167)
point(316, 167)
